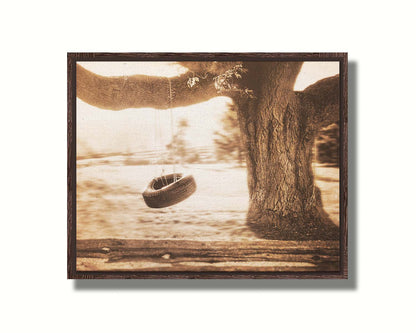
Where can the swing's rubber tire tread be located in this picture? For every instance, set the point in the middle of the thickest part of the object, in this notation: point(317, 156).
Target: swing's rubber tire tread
point(171, 194)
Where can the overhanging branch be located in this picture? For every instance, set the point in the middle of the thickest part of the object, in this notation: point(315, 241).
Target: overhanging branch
point(141, 91)
point(322, 99)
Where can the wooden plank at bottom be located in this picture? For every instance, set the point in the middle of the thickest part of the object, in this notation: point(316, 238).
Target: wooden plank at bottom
point(201, 256)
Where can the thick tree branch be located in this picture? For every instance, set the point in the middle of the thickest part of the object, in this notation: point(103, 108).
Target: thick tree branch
point(141, 91)
point(322, 98)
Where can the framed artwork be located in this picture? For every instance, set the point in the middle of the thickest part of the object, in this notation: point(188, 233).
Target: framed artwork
point(207, 165)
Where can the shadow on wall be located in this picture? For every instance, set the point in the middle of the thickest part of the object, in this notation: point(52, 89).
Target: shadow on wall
point(282, 285)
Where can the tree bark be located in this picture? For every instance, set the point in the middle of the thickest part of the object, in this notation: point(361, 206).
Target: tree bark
point(279, 132)
point(142, 91)
point(278, 126)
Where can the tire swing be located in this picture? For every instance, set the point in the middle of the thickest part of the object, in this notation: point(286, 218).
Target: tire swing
point(170, 189)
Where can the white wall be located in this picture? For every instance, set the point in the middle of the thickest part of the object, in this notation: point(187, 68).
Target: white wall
point(36, 296)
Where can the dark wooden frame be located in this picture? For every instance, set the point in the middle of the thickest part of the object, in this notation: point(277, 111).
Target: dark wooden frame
point(72, 58)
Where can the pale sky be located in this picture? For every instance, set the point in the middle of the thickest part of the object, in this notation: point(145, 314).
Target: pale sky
point(131, 130)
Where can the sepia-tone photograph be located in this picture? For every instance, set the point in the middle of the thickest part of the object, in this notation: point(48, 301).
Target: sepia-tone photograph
point(207, 165)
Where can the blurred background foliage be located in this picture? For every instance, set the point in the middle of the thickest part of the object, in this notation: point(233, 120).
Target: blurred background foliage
point(178, 148)
point(327, 145)
point(229, 145)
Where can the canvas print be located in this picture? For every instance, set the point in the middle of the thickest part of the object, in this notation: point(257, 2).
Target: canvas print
point(206, 167)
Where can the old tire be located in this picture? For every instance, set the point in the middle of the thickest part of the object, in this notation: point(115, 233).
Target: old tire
point(165, 191)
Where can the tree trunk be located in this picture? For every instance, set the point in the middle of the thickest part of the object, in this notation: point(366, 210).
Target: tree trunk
point(279, 135)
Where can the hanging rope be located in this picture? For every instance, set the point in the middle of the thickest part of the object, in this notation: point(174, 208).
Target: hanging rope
point(172, 130)
point(158, 147)
point(155, 143)
point(158, 137)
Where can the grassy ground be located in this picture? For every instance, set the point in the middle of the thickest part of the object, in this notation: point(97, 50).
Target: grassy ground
point(110, 205)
